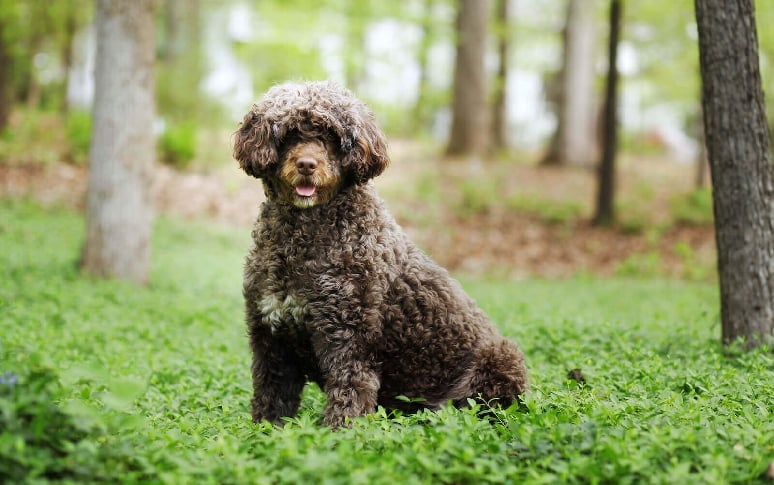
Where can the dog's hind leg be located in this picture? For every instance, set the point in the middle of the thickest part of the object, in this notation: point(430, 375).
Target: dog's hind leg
point(499, 375)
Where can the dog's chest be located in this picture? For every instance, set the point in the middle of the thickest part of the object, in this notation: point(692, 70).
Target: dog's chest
point(283, 311)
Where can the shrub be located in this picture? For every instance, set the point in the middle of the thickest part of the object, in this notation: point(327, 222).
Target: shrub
point(641, 265)
point(33, 138)
point(37, 435)
point(177, 145)
point(551, 211)
point(476, 198)
point(693, 208)
point(78, 127)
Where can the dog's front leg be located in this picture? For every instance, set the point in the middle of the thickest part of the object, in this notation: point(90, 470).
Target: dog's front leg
point(352, 386)
point(352, 376)
point(277, 381)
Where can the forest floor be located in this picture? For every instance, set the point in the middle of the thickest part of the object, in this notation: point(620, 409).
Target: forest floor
point(503, 217)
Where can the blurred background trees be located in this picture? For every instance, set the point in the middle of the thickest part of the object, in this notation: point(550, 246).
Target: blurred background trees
point(215, 58)
point(469, 133)
point(575, 136)
point(119, 200)
point(512, 83)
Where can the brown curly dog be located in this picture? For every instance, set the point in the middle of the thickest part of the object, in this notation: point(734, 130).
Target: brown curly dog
point(335, 292)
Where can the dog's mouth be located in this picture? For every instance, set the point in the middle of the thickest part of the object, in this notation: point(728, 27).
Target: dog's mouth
point(305, 190)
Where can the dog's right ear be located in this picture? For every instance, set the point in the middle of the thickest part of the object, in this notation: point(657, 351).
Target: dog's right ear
point(255, 146)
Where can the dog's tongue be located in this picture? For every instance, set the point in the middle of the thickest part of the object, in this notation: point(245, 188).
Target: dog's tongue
point(305, 191)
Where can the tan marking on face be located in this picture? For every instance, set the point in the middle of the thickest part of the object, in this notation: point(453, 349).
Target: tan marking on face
point(304, 188)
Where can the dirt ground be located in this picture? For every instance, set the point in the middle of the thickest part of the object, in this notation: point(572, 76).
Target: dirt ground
point(499, 239)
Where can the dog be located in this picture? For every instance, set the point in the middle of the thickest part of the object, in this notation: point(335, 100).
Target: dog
point(335, 293)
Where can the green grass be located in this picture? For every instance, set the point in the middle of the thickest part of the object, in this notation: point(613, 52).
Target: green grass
point(105, 382)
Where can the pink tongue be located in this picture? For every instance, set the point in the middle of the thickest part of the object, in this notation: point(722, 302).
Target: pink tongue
point(305, 191)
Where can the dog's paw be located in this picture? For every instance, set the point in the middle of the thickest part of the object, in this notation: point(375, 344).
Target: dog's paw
point(336, 421)
point(261, 413)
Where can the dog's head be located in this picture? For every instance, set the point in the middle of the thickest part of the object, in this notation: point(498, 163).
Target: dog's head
point(307, 141)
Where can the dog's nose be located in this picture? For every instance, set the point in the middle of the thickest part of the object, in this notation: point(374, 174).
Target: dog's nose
point(306, 165)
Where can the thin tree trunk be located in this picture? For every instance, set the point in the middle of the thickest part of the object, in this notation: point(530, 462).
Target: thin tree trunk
point(469, 129)
point(422, 111)
point(33, 84)
point(605, 211)
point(6, 84)
point(357, 55)
point(577, 143)
point(574, 142)
point(119, 199)
point(740, 159)
point(701, 158)
point(499, 114)
point(70, 26)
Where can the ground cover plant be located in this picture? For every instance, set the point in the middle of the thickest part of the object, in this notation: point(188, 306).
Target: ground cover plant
point(106, 382)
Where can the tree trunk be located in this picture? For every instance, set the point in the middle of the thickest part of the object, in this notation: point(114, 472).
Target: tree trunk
point(356, 55)
point(740, 159)
point(119, 199)
point(35, 40)
point(6, 80)
point(422, 112)
point(173, 39)
point(575, 140)
point(605, 211)
point(70, 27)
point(469, 127)
point(702, 163)
point(499, 106)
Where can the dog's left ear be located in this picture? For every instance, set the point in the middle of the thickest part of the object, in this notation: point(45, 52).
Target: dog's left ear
point(255, 145)
point(365, 149)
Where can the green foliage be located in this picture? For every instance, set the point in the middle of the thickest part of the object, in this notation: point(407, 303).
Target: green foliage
point(482, 195)
point(764, 11)
point(155, 382)
point(551, 211)
point(44, 437)
point(177, 145)
point(693, 268)
point(641, 265)
point(37, 137)
point(35, 432)
point(477, 197)
point(634, 213)
point(693, 208)
point(30, 28)
point(279, 62)
point(33, 137)
point(664, 34)
point(78, 126)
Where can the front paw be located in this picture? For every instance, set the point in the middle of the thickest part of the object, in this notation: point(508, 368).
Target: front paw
point(341, 414)
point(261, 412)
point(337, 420)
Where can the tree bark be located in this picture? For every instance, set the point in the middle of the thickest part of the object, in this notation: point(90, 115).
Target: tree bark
point(575, 140)
point(70, 27)
point(469, 129)
point(739, 150)
point(6, 80)
point(423, 111)
point(499, 106)
point(605, 210)
point(119, 200)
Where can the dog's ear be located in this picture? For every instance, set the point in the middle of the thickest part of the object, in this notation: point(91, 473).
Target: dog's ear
point(365, 149)
point(255, 145)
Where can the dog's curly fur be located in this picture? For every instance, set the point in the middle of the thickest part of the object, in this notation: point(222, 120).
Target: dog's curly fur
point(335, 293)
